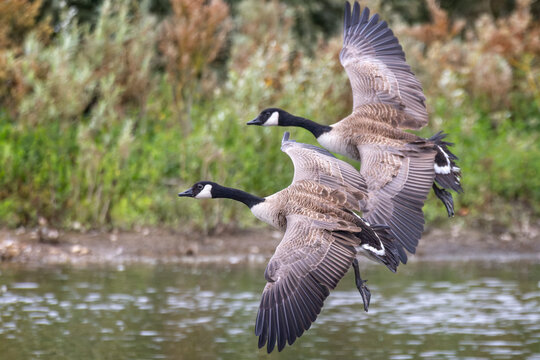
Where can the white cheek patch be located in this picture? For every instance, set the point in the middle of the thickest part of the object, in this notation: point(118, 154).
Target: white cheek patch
point(273, 120)
point(206, 192)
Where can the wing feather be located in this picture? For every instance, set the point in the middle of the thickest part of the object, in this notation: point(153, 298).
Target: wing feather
point(378, 72)
point(307, 263)
point(398, 186)
point(319, 165)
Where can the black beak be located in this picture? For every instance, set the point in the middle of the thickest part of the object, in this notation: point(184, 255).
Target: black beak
point(188, 192)
point(255, 121)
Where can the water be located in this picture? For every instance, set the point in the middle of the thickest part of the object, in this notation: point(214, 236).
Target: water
point(425, 311)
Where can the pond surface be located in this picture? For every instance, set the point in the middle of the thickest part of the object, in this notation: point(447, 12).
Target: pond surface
point(425, 311)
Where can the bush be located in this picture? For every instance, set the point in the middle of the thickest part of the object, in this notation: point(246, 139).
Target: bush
point(109, 121)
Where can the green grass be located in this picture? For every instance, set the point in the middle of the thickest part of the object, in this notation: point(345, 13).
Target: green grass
point(498, 157)
point(53, 171)
point(122, 163)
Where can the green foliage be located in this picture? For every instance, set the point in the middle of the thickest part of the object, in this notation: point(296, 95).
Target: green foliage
point(94, 135)
point(498, 157)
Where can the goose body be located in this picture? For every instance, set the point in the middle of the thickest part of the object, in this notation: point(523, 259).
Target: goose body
point(400, 168)
point(307, 198)
point(323, 236)
point(358, 129)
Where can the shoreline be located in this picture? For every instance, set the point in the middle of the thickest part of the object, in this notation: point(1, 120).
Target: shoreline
point(253, 246)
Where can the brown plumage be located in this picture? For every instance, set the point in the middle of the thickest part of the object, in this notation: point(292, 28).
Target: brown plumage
point(323, 237)
point(399, 167)
point(377, 70)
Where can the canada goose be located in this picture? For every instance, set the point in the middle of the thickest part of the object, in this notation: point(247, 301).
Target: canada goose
point(323, 237)
point(399, 167)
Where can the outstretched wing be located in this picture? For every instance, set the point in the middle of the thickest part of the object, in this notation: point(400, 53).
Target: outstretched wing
point(398, 184)
point(319, 165)
point(309, 261)
point(377, 70)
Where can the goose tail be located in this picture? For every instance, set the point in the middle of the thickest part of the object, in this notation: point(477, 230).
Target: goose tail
point(447, 173)
point(378, 244)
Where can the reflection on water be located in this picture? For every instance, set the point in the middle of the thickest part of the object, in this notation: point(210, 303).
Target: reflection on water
point(427, 310)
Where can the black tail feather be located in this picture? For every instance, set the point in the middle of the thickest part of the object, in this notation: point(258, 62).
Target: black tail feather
point(375, 234)
point(446, 199)
point(447, 173)
point(391, 258)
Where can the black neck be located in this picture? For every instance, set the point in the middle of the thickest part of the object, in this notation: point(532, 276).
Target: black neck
point(230, 193)
point(316, 129)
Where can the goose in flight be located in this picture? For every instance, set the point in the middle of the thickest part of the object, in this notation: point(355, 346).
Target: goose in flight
point(323, 236)
point(399, 167)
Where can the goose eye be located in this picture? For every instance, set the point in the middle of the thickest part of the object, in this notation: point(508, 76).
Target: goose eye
point(199, 186)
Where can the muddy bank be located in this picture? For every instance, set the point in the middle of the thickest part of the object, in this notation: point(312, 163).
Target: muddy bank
point(43, 247)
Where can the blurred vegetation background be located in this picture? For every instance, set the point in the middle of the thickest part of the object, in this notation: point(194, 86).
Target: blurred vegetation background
point(109, 108)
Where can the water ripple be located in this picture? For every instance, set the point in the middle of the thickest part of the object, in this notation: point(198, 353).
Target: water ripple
point(472, 318)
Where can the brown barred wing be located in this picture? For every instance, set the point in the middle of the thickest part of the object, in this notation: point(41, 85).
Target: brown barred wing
point(398, 185)
point(319, 165)
point(309, 261)
point(377, 69)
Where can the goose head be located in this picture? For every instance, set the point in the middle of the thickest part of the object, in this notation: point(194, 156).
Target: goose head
point(211, 190)
point(271, 117)
point(201, 190)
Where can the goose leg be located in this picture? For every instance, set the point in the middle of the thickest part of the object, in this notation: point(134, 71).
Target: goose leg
point(446, 199)
point(361, 285)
